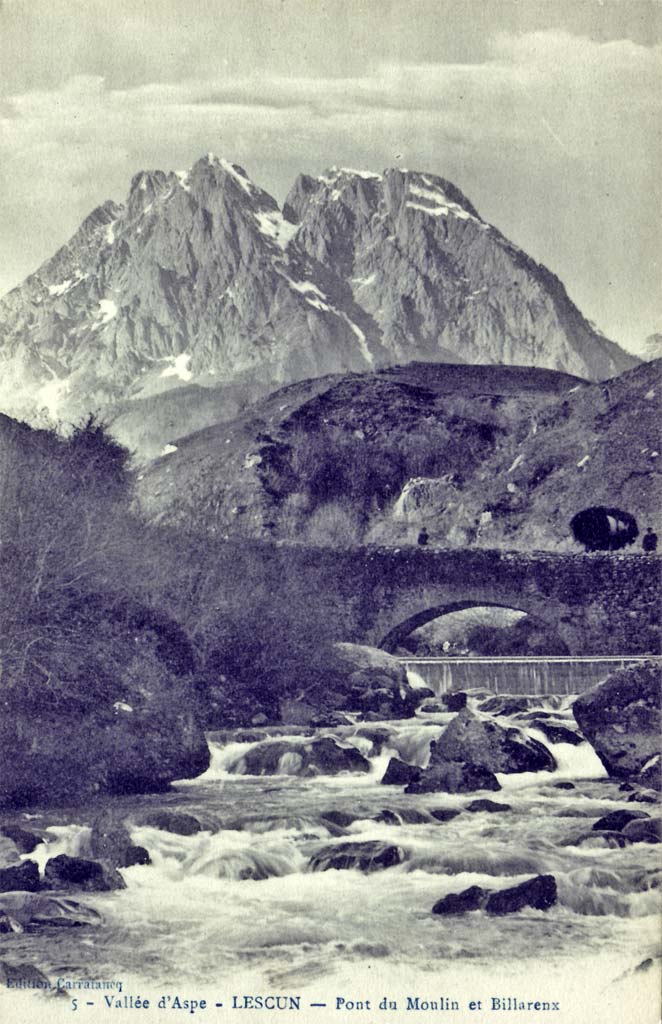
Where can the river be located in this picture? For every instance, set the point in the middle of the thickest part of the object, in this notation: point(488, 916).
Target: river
point(235, 910)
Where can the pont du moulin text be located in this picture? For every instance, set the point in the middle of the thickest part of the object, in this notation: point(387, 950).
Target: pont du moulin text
point(343, 1003)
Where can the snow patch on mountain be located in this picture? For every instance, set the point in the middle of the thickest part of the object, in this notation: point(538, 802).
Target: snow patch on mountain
point(179, 367)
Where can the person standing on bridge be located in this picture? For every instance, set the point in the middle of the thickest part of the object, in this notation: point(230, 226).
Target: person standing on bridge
point(649, 541)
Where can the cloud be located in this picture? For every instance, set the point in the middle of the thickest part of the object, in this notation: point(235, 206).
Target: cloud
point(541, 115)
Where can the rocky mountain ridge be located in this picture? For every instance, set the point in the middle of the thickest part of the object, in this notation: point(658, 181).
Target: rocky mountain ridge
point(200, 281)
point(483, 456)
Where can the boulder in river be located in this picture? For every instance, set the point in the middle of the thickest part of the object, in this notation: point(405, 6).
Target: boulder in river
point(617, 820)
point(555, 732)
point(23, 839)
point(35, 910)
point(454, 777)
point(321, 756)
point(444, 813)
point(473, 898)
point(23, 877)
point(111, 843)
point(370, 855)
point(491, 806)
point(399, 773)
point(455, 700)
point(538, 893)
point(622, 719)
point(64, 872)
point(507, 704)
point(178, 822)
point(647, 830)
point(485, 742)
point(369, 680)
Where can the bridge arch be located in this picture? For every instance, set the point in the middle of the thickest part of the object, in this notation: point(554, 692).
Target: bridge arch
point(392, 640)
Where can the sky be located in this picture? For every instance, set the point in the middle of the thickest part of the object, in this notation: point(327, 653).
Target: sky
point(546, 113)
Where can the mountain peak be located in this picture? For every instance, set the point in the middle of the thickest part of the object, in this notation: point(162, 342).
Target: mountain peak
point(359, 270)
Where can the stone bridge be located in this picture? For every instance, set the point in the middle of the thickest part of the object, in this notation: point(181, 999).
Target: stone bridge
point(597, 604)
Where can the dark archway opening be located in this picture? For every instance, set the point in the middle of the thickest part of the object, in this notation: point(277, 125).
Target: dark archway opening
point(469, 628)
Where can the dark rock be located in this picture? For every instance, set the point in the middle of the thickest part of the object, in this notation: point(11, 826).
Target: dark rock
point(602, 840)
point(444, 813)
point(398, 773)
point(313, 757)
point(486, 743)
point(622, 719)
point(24, 877)
point(651, 776)
point(564, 785)
point(506, 704)
point(625, 787)
point(539, 893)
point(65, 872)
point(556, 733)
point(455, 701)
point(432, 707)
point(8, 924)
point(111, 843)
point(35, 910)
point(403, 816)
point(369, 680)
point(473, 898)
point(491, 806)
point(644, 796)
point(12, 975)
point(647, 830)
point(25, 841)
point(454, 777)
point(177, 822)
point(336, 817)
point(615, 821)
point(366, 856)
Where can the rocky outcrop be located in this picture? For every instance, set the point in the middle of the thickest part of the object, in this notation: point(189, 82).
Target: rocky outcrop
point(491, 806)
point(538, 893)
point(77, 873)
point(366, 856)
point(317, 757)
point(371, 681)
point(484, 742)
point(399, 773)
point(454, 777)
point(24, 877)
point(177, 822)
point(463, 902)
point(38, 910)
point(622, 720)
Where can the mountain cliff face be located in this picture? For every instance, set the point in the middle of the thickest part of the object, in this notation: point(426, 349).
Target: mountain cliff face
point(199, 280)
point(483, 456)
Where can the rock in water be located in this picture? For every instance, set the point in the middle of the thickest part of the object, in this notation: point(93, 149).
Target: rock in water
point(473, 898)
point(454, 777)
point(314, 757)
point(65, 872)
point(617, 820)
point(486, 743)
point(539, 893)
point(177, 822)
point(622, 719)
point(22, 976)
point(366, 856)
point(30, 910)
point(644, 831)
point(25, 840)
point(399, 773)
point(491, 806)
point(24, 877)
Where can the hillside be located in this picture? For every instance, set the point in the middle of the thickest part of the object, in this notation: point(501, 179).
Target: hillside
point(483, 456)
point(199, 281)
